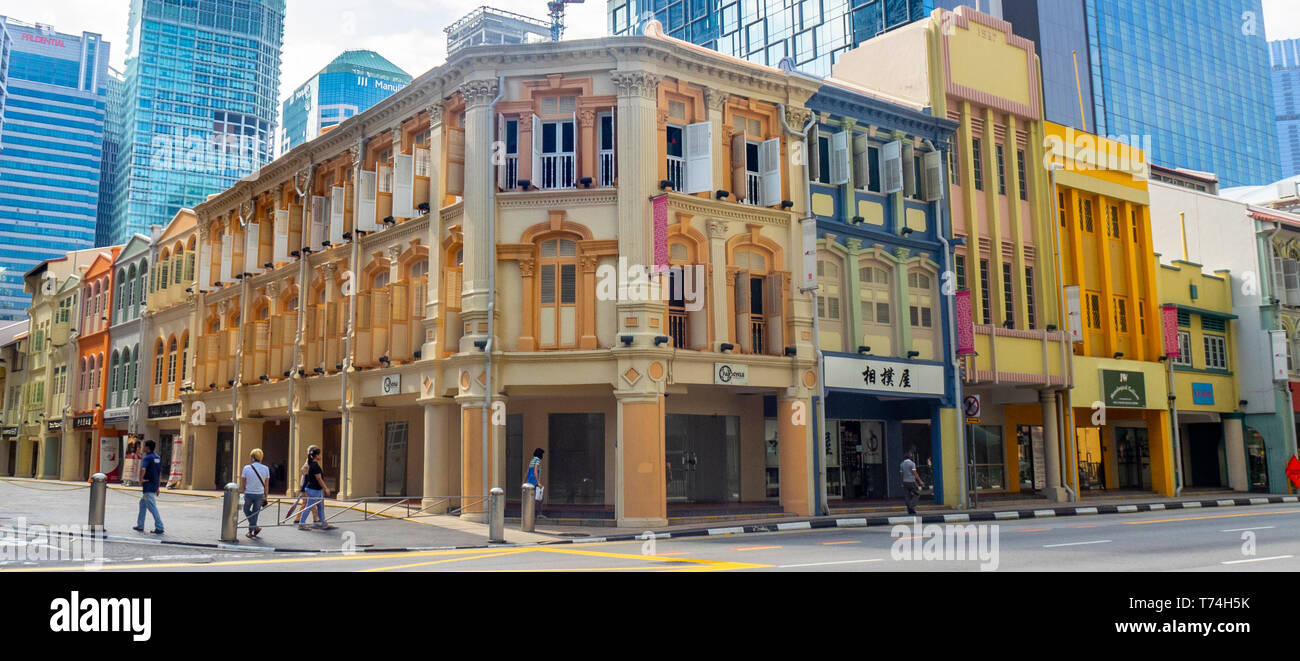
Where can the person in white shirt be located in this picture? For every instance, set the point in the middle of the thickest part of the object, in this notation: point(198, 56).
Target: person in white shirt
point(252, 482)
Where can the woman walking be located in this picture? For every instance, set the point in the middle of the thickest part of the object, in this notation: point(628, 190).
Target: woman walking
point(535, 477)
point(252, 480)
point(313, 482)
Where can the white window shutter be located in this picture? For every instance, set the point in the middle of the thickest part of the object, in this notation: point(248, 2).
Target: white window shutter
point(840, 158)
point(739, 179)
point(699, 158)
point(338, 203)
point(861, 162)
point(403, 185)
point(932, 175)
point(320, 209)
point(227, 256)
point(369, 196)
point(205, 267)
point(891, 166)
point(252, 240)
point(909, 169)
point(499, 152)
point(1291, 269)
point(1279, 290)
point(812, 151)
point(280, 246)
point(537, 152)
point(769, 163)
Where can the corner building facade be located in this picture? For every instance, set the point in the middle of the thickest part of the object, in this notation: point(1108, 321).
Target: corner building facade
point(347, 296)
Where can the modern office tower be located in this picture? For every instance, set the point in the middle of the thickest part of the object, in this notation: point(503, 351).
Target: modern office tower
point(812, 32)
point(1185, 81)
point(353, 82)
point(487, 25)
point(50, 158)
point(6, 45)
point(199, 105)
point(112, 152)
point(1284, 58)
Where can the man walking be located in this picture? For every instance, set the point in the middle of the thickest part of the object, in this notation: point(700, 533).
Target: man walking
point(912, 484)
point(150, 474)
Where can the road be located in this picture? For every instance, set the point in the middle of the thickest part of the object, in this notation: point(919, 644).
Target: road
point(1263, 537)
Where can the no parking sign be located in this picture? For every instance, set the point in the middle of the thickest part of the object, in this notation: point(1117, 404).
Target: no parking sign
point(970, 406)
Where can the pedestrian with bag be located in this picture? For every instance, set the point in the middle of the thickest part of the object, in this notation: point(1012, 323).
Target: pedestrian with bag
point(252, 482)
point(535, 477)
point(313, 483)
point(912, 483)
point(150, 475)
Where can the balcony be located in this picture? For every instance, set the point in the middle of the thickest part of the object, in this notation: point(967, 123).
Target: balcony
point(753, 185)
point(606, 158)
point(676, 168)
point(511, 172)
point(557, 171)
point(677, 328)
point(757, 334)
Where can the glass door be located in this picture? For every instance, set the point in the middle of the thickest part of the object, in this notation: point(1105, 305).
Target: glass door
point(395, 440)
point(1033, 471)
point(1132, 458)
point(577, 459)
point(834, 471)
point(225, 458)
point(703, 458)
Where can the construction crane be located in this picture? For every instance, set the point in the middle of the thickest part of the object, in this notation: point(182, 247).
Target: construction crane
point(557, 16)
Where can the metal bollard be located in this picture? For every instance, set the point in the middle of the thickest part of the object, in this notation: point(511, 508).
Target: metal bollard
point(98, 495)
point(497, 515)
point(528, 508)
point(230, 513)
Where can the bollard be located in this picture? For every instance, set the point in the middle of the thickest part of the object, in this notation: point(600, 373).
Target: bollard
point(98, 494)
point(528, 508)
point(497, 515)
point(230, 513)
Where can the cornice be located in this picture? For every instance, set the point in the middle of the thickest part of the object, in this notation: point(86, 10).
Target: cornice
point(728, 210)
point(558, 199)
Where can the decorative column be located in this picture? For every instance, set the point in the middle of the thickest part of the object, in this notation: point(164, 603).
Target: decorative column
point(637, 94)
point(478, 95)
point(641, 496)
point(587, 140)
point(525, 146)
point(1051, 446)
point(795, 446)
point(438, 439)
point(714, 102)
point(527, 267)
point(717, 230)
point(433, 305)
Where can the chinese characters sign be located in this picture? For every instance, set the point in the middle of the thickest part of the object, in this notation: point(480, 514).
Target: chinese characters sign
point(893, 376)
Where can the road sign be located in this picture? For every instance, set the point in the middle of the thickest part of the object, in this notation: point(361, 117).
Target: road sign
point(970, 406)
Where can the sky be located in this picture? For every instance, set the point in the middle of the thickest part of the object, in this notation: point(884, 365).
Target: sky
point(407, 32)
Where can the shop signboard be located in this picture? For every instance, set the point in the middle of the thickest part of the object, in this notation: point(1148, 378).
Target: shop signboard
point(1123, 389)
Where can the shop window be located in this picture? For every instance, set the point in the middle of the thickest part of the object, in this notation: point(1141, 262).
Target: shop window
point(989, 458)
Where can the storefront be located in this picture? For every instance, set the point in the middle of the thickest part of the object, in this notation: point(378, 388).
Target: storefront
point(164, 426)
point(877, 411)
point(1122, 430)
point(9, 443)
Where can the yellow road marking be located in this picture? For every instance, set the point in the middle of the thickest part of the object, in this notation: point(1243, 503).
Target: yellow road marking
point(753, 548)
point(700, 564)
point(438, 562)
point(276, 561)
point(845, 541)
point(1210, 516)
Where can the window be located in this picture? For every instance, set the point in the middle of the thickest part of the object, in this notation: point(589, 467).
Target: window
point(873, 294)
point(1142, 317)
point(823, 147)
point(675, 135)
point(1029, 296)
point(976, 154)
point(1008, 300)
point(511, 137)
point(1216, 356)
point(1112, 222)
point(1060, 208)
point(828, 298)
point(1085, 215)
point(1002, 171)
point(1121, 314)
point(989, 459)
point(605, 146)
point(1184, 357)
point(557, 160)
point(985, 296)
point(1020, 173)
point(380, 280)
point(1094, 311)
point(558, 280)
point(959, 265)
point(921, 301)
point(954, 167)
point(1134, 224)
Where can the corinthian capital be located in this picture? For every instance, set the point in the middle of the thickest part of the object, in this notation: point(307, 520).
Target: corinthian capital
point(714, 99)
point(797, 117)
point(636, 83)
point(478, 92)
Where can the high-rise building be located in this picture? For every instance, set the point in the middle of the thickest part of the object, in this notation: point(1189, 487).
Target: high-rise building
point(353, 82)
point(112, 149)
point(6, 45)
point(50, 153)
point(1284, 58)
point(1186, 80)
point(199, 104)
point(487, 25)
point(814, 33)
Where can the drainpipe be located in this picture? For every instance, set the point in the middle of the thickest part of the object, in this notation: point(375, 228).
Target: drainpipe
point(354, 261)
point(819, 480)
point(1067, 460)
point(303, 270)
point(950, 302)
point(239, 349)
point(492, 282)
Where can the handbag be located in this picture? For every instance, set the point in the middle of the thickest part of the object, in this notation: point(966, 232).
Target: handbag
point(266, 493)
point(537, 495)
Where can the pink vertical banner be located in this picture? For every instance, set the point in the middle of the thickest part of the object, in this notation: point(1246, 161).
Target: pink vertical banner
point(661, 234)
point(1169, 316)
point(965, 324)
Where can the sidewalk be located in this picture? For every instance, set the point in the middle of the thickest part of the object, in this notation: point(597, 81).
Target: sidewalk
point(194, 518)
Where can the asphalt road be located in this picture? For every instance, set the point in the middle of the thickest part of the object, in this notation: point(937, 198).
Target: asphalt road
point(1262, 537)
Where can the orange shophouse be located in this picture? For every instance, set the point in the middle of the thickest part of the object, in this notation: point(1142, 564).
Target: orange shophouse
point(104, 446)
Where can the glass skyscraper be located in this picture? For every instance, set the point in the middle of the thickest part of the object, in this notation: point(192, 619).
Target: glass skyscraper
point(1193, 76)
point(199, 104)
point(112, 152)
point(353, 82)
point(50, 152)
point(812, 32)
point(1284, 56)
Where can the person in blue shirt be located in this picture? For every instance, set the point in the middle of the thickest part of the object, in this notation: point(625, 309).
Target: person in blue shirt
point(150, 475)
point(535, 474)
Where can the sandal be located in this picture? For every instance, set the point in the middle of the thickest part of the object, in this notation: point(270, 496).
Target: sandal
point(308, 528)
point(250, 534)
point(328, 527)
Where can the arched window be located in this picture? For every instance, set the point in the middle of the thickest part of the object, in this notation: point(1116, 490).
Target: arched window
point(119, 305)
point(558, 294)
point(141, 276)
point(132, 309)
point(171, 368)
point(158, 370)
point(751, 297)
point(922, 311)
point(876, 301)
point(114, 376)
point(134, 369)
point(418, 269)
point(830, 304)
point(380, 280)
point(185, 356)
point(163, 272)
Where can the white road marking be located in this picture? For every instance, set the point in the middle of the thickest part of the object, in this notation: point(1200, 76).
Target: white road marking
point(838, 562)
point(1085, 510)
point(797, 525)
point(1157, 506)
point(1006, 515)
point(733, 530)
point(950, 518)
point(1126, 508)
point(1226, 503)
point(1099, 541)
point(1244, 529)
point(899, 520)
point(1258, 501)
point(850, 523)
point(1042, 513)
point(1191, 504)
point(1275, 557)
